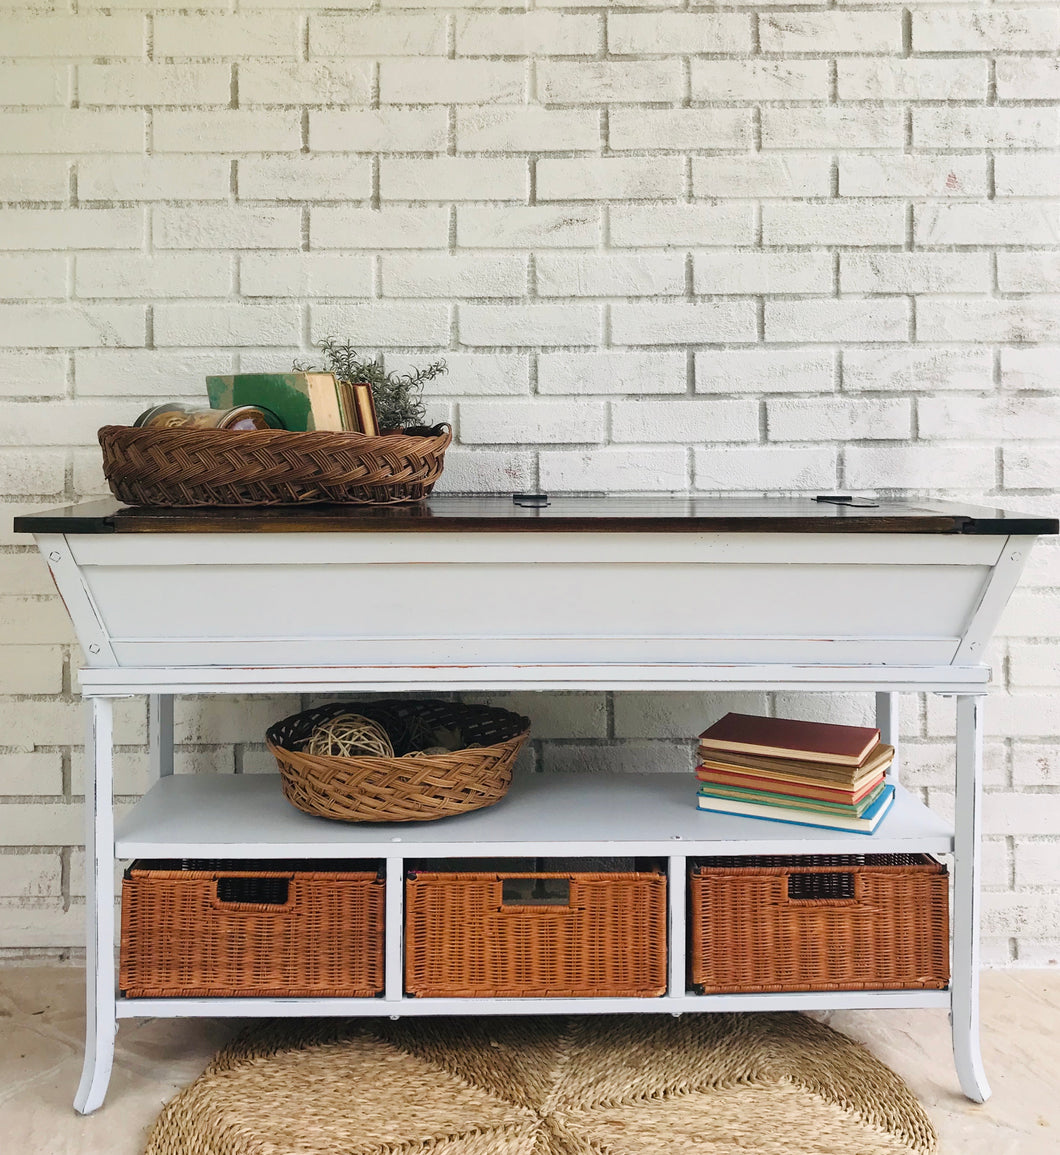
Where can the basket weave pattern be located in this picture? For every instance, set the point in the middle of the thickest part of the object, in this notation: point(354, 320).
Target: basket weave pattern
point(461, 940)
point(179, 938)
point(193, 467)
point(371, 789)
point(749, 934)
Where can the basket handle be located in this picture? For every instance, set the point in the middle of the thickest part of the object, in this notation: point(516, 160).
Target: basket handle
point(517, 894)
point(824, 888)
point(234, 892)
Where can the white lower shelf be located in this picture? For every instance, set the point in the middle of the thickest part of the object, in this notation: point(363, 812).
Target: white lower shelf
point(543, 815)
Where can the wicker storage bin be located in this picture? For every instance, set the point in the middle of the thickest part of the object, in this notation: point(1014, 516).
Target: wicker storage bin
point(819, 923)
point(400, 789)
point(535, 934)
point(192, 467)
point(251, 928)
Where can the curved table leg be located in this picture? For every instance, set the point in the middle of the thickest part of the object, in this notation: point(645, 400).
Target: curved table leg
point(964, 980)
point(100, 1008)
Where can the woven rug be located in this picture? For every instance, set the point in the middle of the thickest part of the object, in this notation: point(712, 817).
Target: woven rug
point(779, 1084)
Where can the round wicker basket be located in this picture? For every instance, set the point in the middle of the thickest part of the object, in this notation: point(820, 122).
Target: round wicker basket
point(192, 467)
point(401, 789)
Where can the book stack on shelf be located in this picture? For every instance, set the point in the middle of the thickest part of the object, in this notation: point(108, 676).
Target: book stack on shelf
point(807, 773)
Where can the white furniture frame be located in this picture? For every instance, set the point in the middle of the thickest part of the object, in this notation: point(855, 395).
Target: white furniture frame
point(161, 614)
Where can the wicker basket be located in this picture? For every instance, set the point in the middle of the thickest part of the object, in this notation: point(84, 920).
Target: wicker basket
point(251, 928)
point(399, 789)
point(192, 467)
point(819, 923)
point(543, 934)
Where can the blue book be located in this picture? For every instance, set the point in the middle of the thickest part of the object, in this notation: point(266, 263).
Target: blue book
point(794, 815)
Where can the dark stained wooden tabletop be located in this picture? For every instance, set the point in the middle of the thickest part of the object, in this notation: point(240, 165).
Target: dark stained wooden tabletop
point(492, 514)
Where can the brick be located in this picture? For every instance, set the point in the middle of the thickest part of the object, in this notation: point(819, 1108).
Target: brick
point(379, 130)
point(1028, 77)
point(533, 129)
point(476, 374)
point(912, 176)
point(957, 127)
point(834, 419)
point(75, 130)
point(305, 178)
point(31, 773)
point(687, 129)
point(863, 222)
point(153, 178)
point(46, 929)
point(487, 471)
point(160, 275)
point(62, 326)
point(637, 226)
point(71, 229)
point(1031, 468)
point(304, 275)
point(480, 226)
point(678, 33)
point(832, 320)
point(777, 175)
point(430, 81)
point(87, 473)
point(916, 369)
point(932, 764)
point(27, 84)
point(453, 178)
point(914, 272)
point(1035, 765)
point(34, 178)
point(651, 324)
point(24, 573)
point(869, 78)
point(32, 621)
point(1037, 863)
point(611, 373)
point(1026, 223)
point(384, 324)
point(1026, 174)
point(372, 229)
point(1029, 368)
point(754, 80)
point(764, 469)
point(73, 423)
point(684, 421)
point(972, 319)
point(251, 35)
point(35, 374)
point(234, 130)
point(1015, 814)
point(610, 178)
point(764, 371)
point(750, 272)
point(236, 324)
point(30, 669)
point(376, 34)
point(227, 227)
point(1009, 418)
point(30, 275)
point(528, 34)
point(597, 275)
point(153, 84)
point(31, 471)
point(625, 470)
point(987, 30)
point(535, 422)
point(482, 275)
point(678, 715)
point(315, 82)
point(842, 32)
point(839, 127)
point(617, 758)
point(228, 719)
point(145, 372)
point(529, 325)
point(1034, 664)
point(609, 81)
point(917, 466)
point(30, 875)
point(56, 37)
point(1034, 614)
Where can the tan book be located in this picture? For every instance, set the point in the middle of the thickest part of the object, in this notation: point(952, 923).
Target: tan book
point(364, 402)
point(791, 738)
point(324, 401)
point(799, 771)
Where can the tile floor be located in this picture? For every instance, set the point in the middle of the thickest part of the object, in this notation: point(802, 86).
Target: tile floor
point(41, 1023)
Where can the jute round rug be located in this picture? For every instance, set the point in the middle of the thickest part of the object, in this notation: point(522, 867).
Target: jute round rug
point(775, 1084)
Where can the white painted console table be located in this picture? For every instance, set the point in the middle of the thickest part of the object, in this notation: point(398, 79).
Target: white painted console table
point(476, 594)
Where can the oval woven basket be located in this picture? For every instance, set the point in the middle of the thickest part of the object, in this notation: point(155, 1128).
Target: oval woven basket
point(399, 789)
point(191, 467)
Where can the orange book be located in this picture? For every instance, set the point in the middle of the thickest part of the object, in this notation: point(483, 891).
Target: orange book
point(792, 789)
point(788, 738)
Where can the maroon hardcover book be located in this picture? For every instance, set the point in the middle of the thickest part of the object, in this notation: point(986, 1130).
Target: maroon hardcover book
point(788, 738)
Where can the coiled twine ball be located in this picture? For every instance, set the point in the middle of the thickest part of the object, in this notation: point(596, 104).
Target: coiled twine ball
point(349, 736)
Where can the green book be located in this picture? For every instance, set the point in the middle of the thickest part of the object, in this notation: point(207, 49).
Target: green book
point(768, 798)
point(302, 401)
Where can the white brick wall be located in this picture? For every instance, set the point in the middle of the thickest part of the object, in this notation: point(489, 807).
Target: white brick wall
point(664, 246)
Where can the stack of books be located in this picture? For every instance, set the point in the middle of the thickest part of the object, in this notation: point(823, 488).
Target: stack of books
point(808, 773)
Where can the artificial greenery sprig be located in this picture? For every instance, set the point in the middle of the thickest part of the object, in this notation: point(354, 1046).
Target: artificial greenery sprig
point(398, 396)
